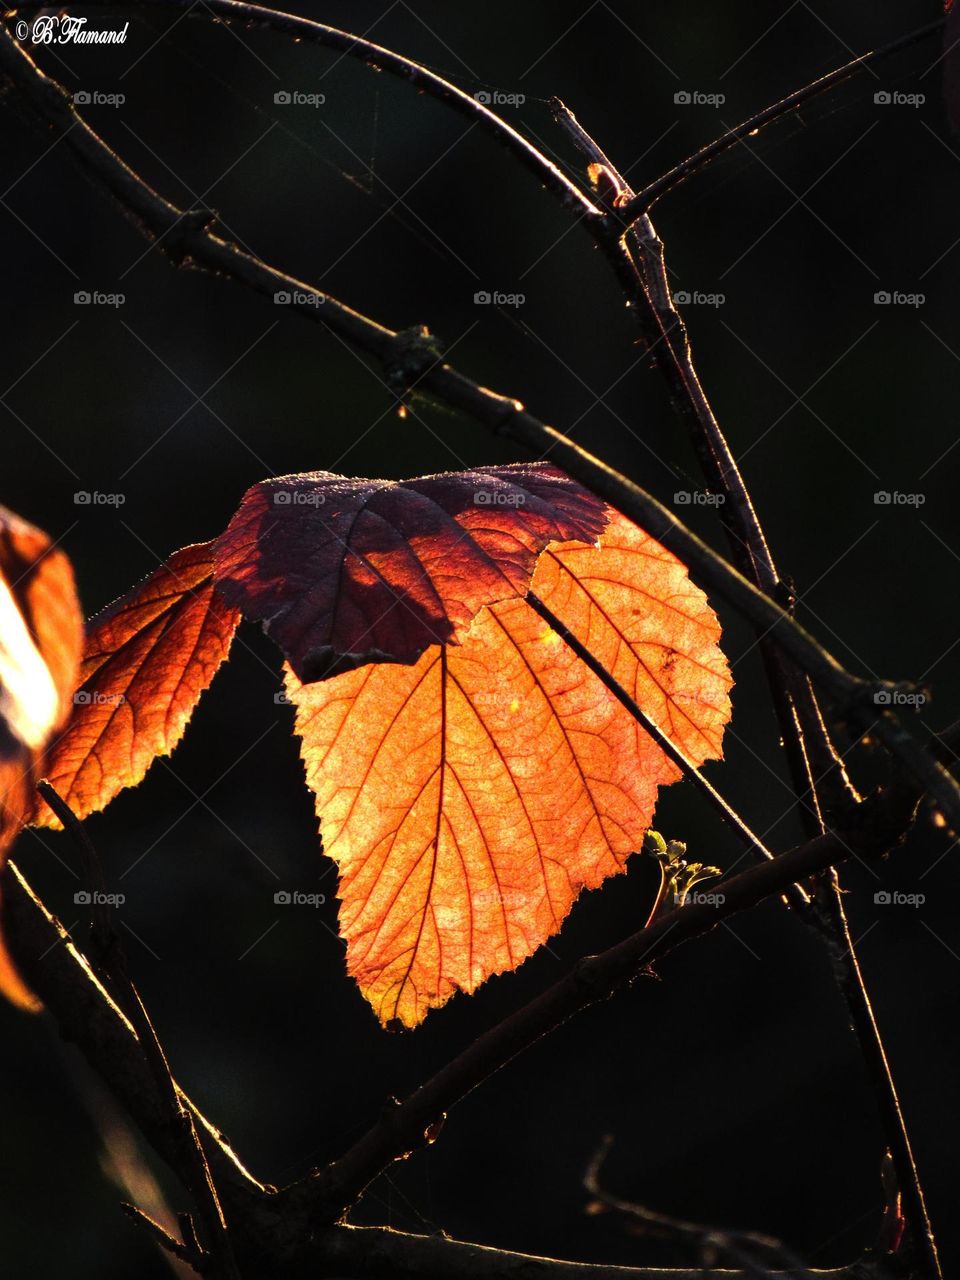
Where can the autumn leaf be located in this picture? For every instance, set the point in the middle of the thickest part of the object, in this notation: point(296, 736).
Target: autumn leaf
point(469, 798)
point(344, 572)
point(40, 641)
point(147, 659)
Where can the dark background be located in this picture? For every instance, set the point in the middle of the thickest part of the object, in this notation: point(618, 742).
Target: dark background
point(733, 1086)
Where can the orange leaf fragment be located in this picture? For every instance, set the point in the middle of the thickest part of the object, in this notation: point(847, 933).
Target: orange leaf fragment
point(468, 799)
point(40, 638)
point(148, 658)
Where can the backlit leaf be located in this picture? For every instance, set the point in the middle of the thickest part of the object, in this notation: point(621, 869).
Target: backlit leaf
point(344, 572)
point(148, 657)
point(40, 640)
point(469, 798)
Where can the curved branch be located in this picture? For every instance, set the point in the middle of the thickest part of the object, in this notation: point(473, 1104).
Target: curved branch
point(370, 1253)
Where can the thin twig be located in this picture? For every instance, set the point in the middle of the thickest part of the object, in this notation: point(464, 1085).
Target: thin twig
point(109, 955)
point(747, 1249)
point(161, 1237)
point(645, 199)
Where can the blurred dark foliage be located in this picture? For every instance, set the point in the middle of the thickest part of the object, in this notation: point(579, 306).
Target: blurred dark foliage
point(732, 1085)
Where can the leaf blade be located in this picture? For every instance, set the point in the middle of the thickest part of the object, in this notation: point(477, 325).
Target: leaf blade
point(469, 799)
point(147, 659)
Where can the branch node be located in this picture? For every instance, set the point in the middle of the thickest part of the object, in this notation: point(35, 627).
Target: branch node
point(409, 356)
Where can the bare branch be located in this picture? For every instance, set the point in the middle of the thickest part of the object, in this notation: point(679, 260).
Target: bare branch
point(109, 955)
point(328, 1193)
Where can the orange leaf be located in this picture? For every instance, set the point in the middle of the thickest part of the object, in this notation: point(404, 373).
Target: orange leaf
point(468, 799)
point(148, 658)
point(40, 639)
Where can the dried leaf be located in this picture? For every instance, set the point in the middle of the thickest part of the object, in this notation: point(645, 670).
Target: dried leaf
point(468, 799)
point(148, 657)
point(40, 640)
